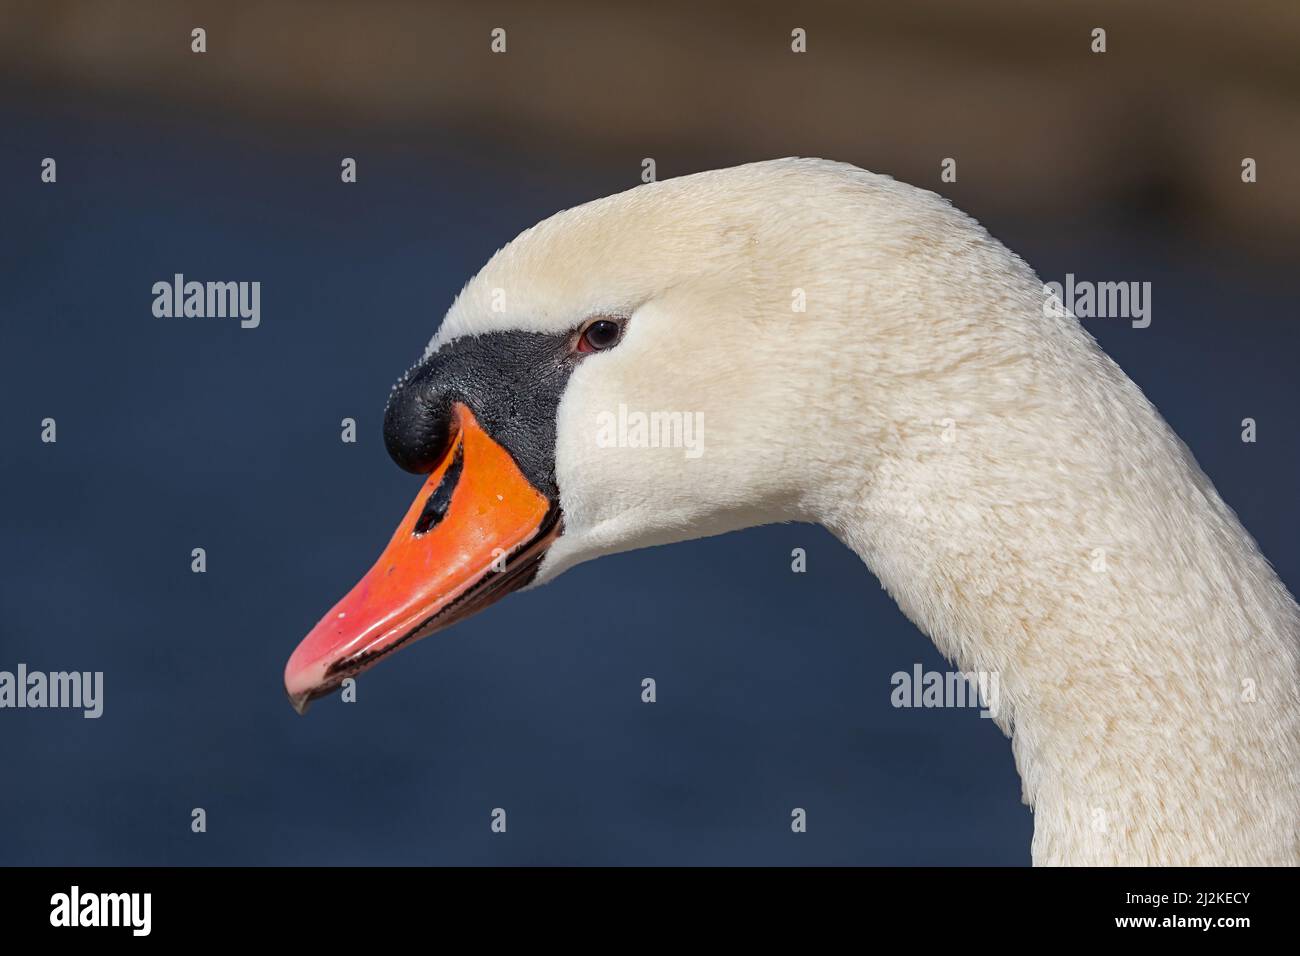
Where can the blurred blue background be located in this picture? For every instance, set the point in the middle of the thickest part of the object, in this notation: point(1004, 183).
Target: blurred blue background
point(773, 687)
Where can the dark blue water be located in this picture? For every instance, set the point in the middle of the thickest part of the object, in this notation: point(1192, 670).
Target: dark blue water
point(773, 688)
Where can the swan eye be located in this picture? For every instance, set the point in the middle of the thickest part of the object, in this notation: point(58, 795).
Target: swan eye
point(599, 335)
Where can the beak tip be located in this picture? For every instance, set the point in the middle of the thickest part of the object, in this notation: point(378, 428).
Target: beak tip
point(300, 682)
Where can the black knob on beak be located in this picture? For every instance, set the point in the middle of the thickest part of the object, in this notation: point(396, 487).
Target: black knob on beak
point(510, 382)
point(418, 423)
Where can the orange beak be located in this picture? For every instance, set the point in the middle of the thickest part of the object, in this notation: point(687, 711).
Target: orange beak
point(476, 531)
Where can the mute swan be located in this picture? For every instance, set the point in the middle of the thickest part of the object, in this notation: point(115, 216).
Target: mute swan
point(972, 448)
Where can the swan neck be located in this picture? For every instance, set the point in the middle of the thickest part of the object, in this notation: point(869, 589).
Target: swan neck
point(1145, 652)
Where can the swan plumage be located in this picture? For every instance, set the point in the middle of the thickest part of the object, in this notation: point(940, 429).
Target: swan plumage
point(977, 451)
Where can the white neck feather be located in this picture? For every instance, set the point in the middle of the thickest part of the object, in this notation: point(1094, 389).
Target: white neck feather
point(1030, 510)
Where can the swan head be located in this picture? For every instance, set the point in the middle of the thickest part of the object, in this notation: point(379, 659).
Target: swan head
point(636, 371)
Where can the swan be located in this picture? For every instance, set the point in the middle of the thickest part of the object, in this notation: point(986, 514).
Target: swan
point(976, 450)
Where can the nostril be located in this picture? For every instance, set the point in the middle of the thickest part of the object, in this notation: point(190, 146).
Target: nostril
point(417, 430)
